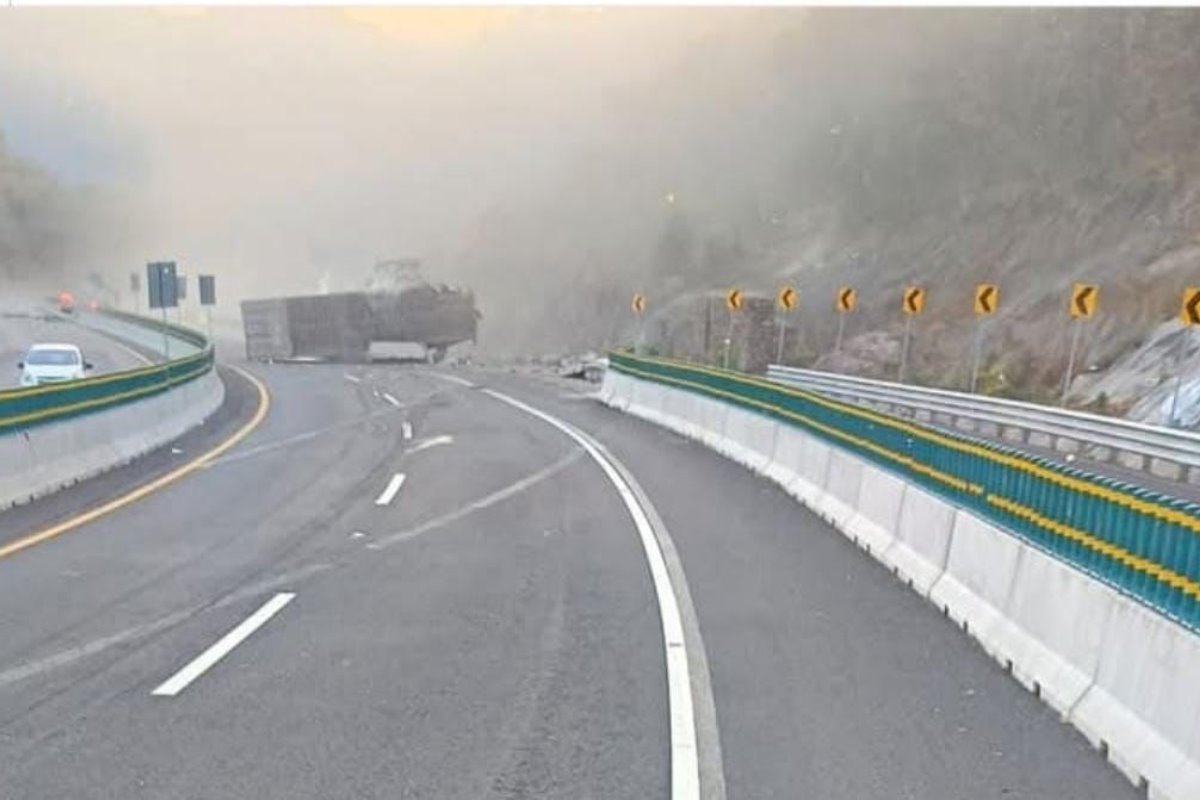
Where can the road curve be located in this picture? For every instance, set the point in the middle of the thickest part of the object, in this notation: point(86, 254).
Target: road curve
point(400, 586)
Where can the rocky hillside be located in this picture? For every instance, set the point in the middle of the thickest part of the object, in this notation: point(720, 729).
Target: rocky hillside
point(1028, 147)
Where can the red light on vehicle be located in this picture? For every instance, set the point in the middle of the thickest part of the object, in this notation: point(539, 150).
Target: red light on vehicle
point(66, 299)
point(94, 305)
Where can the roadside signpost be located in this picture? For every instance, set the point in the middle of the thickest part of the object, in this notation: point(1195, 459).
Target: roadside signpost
point(844, 302)
point(208, 298)
point(638, 304)
point(182, 294)
point(135, 285)
point(787, 299)
point(733, 302)
point(912, 304)
point(987, 301)
point(163, 284)
point(1084, 297)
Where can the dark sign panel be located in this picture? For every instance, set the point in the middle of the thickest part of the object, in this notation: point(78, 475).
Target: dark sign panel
point(163, 284)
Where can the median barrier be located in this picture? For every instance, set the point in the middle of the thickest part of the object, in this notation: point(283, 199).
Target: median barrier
point(712, 421)
point(1082, 587)
point(54, 436)
point(788, 455)
point(749, 438)
point(813, 472)
point(877, 514)
point(677, 411)
point(844, 479)
point(922, 542)
point(1144, 705)
point(1063, 615)
point(980, 570)
point(41, 460)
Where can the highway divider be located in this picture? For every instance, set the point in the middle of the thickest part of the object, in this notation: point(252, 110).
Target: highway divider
point(1088, 590)
point(55, 435)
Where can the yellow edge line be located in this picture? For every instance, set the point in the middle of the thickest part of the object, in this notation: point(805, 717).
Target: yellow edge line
point(264, 405)
point(1149, 508)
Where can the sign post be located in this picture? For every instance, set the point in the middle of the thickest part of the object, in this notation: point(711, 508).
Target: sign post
point(638, 304)
point(912, 305)
point(787, 301)
point(733, 302)
point(844, 303)
point(987, 300)
point(163, 284)
point(181, 295)
point(208, 299)
point(1081, 307)
point(135, 285)
point(1189, 315)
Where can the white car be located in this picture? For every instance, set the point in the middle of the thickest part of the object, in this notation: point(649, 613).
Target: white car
point(52, 363)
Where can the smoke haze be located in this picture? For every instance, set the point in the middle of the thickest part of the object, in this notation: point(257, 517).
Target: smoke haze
point(557, 160)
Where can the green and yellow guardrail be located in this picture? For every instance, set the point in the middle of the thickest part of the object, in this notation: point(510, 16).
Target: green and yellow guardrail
point(38, 405)
point(1144, 544)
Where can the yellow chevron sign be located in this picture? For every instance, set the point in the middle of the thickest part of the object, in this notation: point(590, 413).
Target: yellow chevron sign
point(639, 303)
point(788, 298)
point(846, 298)
point(1083, 300)
point(914, 300)
point(987, 299)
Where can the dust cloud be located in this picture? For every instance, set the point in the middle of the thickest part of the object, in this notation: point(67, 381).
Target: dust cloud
point(557, 160)
point(287, 150)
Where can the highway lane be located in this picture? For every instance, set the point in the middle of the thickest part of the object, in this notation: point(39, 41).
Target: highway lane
point(510, 651)
point(17, 333)
point(488, 631)
point(831, 679)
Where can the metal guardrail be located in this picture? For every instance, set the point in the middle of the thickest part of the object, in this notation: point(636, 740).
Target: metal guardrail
point(1166, 452)
point(37, 405)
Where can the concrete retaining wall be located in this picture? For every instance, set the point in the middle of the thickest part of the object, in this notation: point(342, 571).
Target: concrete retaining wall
point(1126, 676)
point(47, 458)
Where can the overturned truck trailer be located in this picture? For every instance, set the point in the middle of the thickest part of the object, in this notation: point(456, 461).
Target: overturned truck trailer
point(341, 327)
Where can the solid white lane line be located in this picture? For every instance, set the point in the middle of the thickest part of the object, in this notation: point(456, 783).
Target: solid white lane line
point(393, 488)
point(203, 662)
point(391, 399)
point(406, 429)
point(428, 443)
point(685, 764)
point(352, 378)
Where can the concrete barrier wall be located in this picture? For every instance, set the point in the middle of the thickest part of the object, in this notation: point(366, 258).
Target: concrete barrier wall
point(50, 457)
point(922, 544)
point(1125, 675)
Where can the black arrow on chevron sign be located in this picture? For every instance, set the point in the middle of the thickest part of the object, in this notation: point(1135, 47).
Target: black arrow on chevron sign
point(1082, 298)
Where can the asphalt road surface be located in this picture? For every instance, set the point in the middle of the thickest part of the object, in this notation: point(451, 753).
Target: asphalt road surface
point(400, 586)
point(17, 333)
